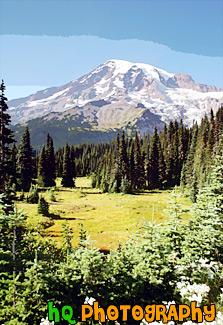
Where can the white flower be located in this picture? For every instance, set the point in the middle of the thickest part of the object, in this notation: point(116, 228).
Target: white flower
point(46, 322)
point(89, 301)
point(193, 292)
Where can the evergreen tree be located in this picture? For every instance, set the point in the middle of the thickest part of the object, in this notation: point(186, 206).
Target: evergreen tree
point(132, 165)
point(13, 159)
point(125, 185)
point(175, 157)
point(139, 174)
point(43, 206)
point(123, 159)
point(6, 139)
point(50, 162)
point(43, 169)
point(116, 178)
point(25, 161)
point(153, 179)
point(33, 196)
point(205, 233)
point(67, 177)
point(182, 145)
point(169, 155)
point(162, 168)
point(189, 165)
point(72, 161)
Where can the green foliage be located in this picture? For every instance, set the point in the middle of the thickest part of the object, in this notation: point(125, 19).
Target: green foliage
point(93, 180)
point(104, 186)
point(50, 162)
point(52, 196)
point(43, 206)
point(33, 196)
point(7, 171)
point(82, 235)
point(67, 236)
point(22, 196)
point(125, 186)
point(25, 161)
point(42, 169)
point(67, 177)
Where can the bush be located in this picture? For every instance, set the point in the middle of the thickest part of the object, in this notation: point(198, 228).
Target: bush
point(33, 196)
point(104, 185)
point(22, 196)
point(52, 196)
point(43, 207)
point(93, 181)
point(125, 186)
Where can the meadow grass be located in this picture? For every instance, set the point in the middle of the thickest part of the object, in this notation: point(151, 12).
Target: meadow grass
point(109, 219)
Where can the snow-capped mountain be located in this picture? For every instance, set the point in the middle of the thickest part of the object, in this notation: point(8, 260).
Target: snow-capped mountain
point(122, 94)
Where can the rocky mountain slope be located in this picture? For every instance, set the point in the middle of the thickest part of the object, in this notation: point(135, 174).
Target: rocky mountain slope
point(119, 94)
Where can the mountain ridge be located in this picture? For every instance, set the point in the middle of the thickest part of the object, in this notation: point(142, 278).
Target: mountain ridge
point(120, 95)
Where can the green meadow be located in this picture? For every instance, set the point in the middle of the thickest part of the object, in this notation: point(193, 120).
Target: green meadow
point(109, 219)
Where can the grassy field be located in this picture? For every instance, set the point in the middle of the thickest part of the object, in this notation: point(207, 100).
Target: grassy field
point(108, 218)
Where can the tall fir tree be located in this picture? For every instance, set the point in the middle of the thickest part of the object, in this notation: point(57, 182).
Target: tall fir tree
point(188, 169)
point(50, 162)
point(139, 173)
point(13, 174)
point(162, 168)
point(6, 139)
point(132, 163)
point(67, 178)
point(115, 174)
point(123, 159)
point(42, 169)
point(25, 161)
point(153, 179)
point(72, 162)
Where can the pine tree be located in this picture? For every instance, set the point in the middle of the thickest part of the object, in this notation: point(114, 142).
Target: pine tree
point(205, 231)
point(169, 155)
point(42, 169)
point(123, 159)
point(43, 206)
point(6, 139)
point(25, 161)
point(153, 179)
point(50, 162)
point(125, 185)
point(139, 174)
point(72, 161)
point(13, 160)
point(132, 165)
point(67, 178)
point(33, 196)
point(115, 177)
point(162, 168)
point(175, 157)
point(189, 164)
point(182, 145)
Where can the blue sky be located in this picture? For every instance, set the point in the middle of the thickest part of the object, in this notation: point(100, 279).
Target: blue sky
point(49, 43)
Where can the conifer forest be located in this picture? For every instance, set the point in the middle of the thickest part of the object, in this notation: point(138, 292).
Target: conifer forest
point(176, 261)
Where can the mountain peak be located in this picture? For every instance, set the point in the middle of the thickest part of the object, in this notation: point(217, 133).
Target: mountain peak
point(128, 90)
point(124, 66)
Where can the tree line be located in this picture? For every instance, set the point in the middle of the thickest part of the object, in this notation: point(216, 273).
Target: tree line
point(175, 156)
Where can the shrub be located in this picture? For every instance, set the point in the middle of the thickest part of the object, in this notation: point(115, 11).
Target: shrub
point(52, 196)
point(125, 186)
point(33, 195)
point(43, 206)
